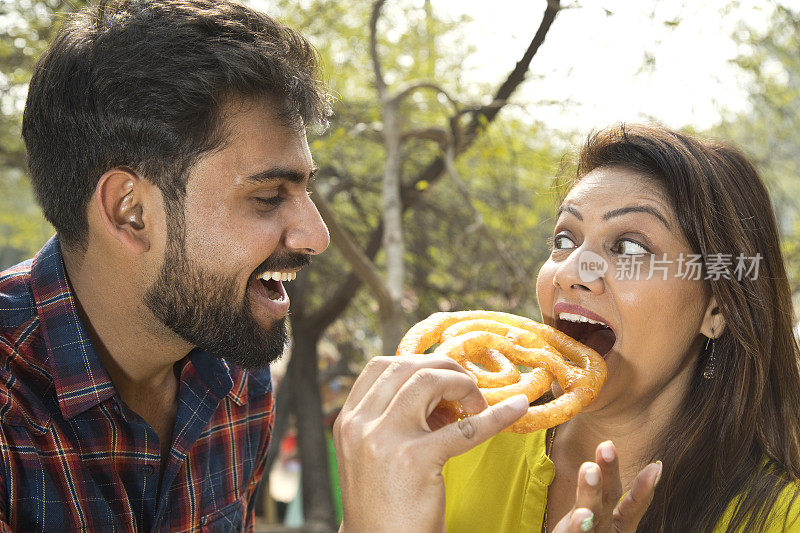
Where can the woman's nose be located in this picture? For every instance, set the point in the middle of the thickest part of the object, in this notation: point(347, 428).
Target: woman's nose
point(582, 270)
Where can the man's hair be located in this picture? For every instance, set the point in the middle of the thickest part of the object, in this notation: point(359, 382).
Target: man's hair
point(141, 84)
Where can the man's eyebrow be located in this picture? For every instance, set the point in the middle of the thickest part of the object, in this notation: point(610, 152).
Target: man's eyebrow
point(637, 209)
point(571, 210)
point(281, 173)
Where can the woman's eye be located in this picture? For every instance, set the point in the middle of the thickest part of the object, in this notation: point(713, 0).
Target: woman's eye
point(629, 247)
point(562, 242)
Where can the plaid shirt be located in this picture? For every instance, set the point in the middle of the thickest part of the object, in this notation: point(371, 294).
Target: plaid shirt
point(74, 457)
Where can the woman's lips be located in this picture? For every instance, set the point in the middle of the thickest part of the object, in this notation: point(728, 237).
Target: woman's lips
point(585, 326)
point(564, 307)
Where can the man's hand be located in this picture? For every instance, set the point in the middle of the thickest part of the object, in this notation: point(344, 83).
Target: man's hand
point(391, 451)
point(597, 503)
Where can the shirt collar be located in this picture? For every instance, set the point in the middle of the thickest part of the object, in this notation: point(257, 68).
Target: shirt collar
point(80, 380)
point(214, 372)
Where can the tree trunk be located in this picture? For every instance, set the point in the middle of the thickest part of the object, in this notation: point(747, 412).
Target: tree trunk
point(393, 242)
point(308, 325)
point(283, 413)
point(307, 403)
point(392, 326)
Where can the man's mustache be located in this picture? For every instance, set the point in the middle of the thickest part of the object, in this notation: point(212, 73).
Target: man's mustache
point(275, 263)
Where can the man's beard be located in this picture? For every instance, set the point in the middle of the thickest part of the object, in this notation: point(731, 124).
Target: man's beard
point(201, 307)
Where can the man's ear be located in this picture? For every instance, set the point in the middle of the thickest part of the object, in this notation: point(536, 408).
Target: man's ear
point(713, 321)
point(120, 203)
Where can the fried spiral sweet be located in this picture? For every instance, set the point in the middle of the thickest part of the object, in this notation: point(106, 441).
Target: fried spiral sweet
point(498, 342)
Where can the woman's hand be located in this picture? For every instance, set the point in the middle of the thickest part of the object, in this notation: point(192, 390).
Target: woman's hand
point(390, 450)
point(597, 503)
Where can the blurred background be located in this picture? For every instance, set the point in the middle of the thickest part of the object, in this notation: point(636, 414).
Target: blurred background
point(436, 173)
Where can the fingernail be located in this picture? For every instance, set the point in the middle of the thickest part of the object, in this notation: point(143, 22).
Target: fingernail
point(518, 402)
point(658, 475)
point(592, 475)
point(586, 517)
point(607, 451)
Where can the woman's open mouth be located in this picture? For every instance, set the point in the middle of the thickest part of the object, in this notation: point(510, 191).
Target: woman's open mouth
point(595, 334)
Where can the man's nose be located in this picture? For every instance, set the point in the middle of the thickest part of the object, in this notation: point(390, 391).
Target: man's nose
point(308, 233)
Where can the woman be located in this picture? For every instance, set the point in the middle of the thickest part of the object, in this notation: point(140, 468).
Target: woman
point(702, 401)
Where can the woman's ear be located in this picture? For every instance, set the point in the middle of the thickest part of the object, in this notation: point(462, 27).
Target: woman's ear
point(713, 320)
point(120, 203)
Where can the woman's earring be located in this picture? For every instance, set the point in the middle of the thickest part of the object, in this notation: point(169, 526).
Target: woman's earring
point(708, 371)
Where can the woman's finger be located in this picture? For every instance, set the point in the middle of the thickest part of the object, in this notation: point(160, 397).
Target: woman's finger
point(635, 503)
point(606, 458)
point(589, 494)
point(578, 520)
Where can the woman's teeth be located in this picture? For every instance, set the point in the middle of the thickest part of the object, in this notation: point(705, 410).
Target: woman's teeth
point(579, 318)
point(278, 276)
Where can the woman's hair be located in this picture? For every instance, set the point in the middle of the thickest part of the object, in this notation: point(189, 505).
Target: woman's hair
point(735, 437)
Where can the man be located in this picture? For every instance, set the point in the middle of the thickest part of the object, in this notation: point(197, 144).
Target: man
point(167, 147)
point(166, 143)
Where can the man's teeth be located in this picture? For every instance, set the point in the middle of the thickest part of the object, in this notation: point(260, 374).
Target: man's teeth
point(579, 318)
point(279, 276)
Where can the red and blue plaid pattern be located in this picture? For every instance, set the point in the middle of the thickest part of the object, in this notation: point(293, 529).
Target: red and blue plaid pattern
point(73, 457)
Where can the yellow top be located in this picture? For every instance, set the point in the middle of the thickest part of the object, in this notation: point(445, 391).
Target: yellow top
point(501, 487)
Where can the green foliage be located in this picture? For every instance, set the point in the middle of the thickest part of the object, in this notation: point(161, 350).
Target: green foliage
point(452, 264)
point(26, 27)
point(770, 131)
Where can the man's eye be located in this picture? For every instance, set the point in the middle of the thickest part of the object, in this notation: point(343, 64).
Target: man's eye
point(272, 201)
point(629, 247)
point(562, 242)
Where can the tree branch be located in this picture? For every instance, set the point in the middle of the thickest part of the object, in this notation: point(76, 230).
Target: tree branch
point(416, 86)
point(501, 251)
point(517, 76)
point(363, 267)
point(437, 135)
point(341, 297)
point(380, 83)
point(434, 171)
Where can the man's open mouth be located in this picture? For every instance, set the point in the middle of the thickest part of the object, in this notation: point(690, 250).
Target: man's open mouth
point(595, 334)
point(273, 282)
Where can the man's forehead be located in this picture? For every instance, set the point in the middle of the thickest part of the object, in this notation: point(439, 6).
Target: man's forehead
point(259, 148)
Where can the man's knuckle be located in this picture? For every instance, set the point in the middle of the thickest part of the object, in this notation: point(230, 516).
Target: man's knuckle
point(446, 362)
point(347, 428)
point(497, 418)
point(426, 377)
point(378, 363)
point(374, 447)
point(467, 427)
point(407, 457)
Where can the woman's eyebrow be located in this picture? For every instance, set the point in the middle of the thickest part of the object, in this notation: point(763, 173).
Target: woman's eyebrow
point(637, 209)
point(571, 210)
